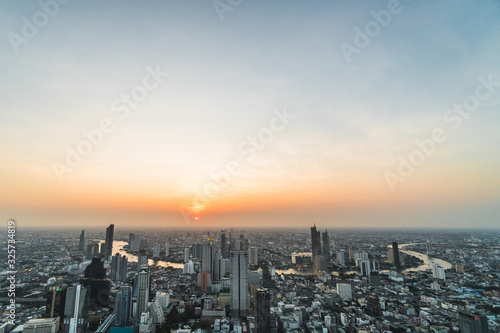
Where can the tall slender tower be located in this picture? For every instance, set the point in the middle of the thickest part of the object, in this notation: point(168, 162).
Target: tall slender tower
point(395, 251)
point(239, 284)
point(108, 249)
point(81, 244)
point(223, 244)
point(315, 242)
point(326, 247)
point(123, 308)
point(143, 278)
point(263, 310)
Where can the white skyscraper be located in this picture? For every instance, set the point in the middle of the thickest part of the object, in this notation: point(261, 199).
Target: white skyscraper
point(156, 250)
point(253, 257)
point(438, 272)
point(341, 258)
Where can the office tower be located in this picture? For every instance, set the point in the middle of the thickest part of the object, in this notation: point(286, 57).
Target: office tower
point(81, 243)
point(365, 268)
point(197, 251)
point(188, 268)
point(204, 280)
point(395, 252)
point(167, 248)
point(263, 310)
point(375, 279)
point(239, 284)
point(341, 258)
point(253, 257)
point(156, 250)
point(75, 309)
point(119, 268)
point(131, 238)
point(373, 307)
point(157, 314)
point(143, 244)
point(315, 242)
point(163, 298)
point(186, 254)
point(344, 290)
point(223, 244)
point(143, 280)
point(135, 244)
point(100, 286)
point(428, 246)
point(108, 250)
point(123, 307)
point(438, 272)
point(207, 257)
point(319, 264)
point(326, 247)
point(472, 323)
point(90, 251)
point(56, 298)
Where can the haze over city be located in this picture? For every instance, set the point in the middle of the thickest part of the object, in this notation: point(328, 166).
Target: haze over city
point(281, 114)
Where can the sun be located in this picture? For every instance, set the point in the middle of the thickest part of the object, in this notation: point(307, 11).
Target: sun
point(196, 218)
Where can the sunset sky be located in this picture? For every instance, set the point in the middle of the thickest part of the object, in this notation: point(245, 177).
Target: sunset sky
point(262, 97)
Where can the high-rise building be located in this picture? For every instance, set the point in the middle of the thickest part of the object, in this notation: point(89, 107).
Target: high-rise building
point(167, 248)
point(253, 257)
point(131, 238)
point(315, 242)
point(472, 323)
point(156, 250)
point(56, 298)
point(186, 254)
point(263, 310)
point(375, 278)
point(438, 272)
point(119, 268)
point(143, 280)
point(223, 244)
point(341, 258)
point(395, 252)
point(344, 290)
point(207, 259)
point(197, 251)
point(428, 247)
point(108, 250)
point(239, 300)
point(373, 307)
point(123, 307)
point(365, 268)
point(326, 247)
point(76, 309)
point(81, 243)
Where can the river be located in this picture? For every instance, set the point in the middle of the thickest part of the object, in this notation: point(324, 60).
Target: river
point(118, 248)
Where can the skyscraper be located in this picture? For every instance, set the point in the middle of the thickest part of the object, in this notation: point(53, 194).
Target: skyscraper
point(395, 252)
point(81, 243)
point(76, 309)
point(239, 284)
point(143, 280)
point(119, 268)
point(167, 248)
point(223, 243)
point(123, 307)
point(156, 250)
point(341, 258)
point(108, 249)
point(315, 242)
point(207, 259)
point(263, 310)
point(253, 256)
point(326, 247)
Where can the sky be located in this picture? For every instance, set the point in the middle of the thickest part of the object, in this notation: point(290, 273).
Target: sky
point(250, 113)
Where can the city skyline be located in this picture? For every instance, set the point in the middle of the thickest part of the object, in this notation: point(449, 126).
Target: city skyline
point(176, 115)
